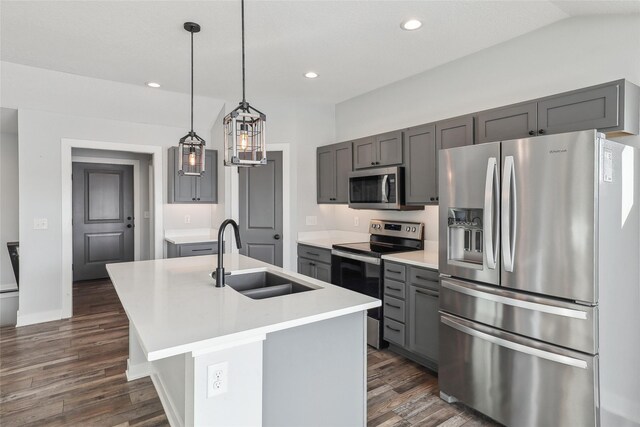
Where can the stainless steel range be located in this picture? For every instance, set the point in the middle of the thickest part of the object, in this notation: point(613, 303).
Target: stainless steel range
point(358, 266)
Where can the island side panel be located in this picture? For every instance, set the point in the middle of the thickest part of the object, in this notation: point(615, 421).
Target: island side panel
point(137, 364)
point(315, 375)
point(170, 379)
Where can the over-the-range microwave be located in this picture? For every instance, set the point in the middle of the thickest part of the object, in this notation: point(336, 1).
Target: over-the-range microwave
point(378, 188)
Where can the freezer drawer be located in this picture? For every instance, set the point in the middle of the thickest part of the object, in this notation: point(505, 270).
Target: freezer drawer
point(515, 380)
point(557, 322)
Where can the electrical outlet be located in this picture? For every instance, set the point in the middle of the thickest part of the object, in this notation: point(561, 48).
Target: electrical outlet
point(187, 219)
point(217, 379)
point(312, 220)
point(40, 223)
point(356, 221)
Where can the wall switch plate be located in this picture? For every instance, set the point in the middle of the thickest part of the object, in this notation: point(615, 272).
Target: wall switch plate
point(187, 219)
point(146, 214)
point(356, 221)
point(40, 223)
point(312, 220)
point(217, 379)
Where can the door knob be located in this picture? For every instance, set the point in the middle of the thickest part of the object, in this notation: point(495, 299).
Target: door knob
point(276, 236)
point(129, 225)
point(128, 218)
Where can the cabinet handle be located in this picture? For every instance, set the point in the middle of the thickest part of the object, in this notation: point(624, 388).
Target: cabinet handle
point(437, 199)
point(198, 198)
point(394, 289)
point(391, 305)
point(313, 253)
point(427, 279)
point(428, 293)
point(394, 271)
point(312, 263)
point(373, 163)
point(201, 250)
point(377, 163)
point(193, 198)
point(393, 329)
point(433, 199)
point(532, 132)
point(541, 131)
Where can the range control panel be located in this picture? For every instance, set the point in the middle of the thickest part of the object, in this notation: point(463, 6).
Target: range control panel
point(405, 230)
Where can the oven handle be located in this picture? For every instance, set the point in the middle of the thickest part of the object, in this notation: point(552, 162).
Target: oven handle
point(362, 258)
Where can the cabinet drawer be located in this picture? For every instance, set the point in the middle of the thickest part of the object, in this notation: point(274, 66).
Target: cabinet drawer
point(424, 277)
point(394, 288)
point(393, 308)
point(395, 271)
point(313, 253)
point(197, 249)
point(394, 331)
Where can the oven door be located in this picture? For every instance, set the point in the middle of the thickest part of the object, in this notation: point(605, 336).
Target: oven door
point(375, 189)
point(359, 273)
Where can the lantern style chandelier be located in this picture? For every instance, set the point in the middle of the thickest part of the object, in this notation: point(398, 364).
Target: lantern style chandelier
point(244, 128)
point(191, 147)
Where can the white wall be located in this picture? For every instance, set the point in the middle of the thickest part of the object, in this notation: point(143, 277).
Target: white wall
point(8, 205)
point(567, 55)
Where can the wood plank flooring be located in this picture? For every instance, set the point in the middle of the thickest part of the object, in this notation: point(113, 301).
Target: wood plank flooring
point(71, 373)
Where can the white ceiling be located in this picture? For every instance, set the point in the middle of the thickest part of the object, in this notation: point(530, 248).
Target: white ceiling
point(355, 46)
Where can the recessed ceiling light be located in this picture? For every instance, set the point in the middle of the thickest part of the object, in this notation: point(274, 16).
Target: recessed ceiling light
point(153, 84)
point(311, 75)
point(411, 24)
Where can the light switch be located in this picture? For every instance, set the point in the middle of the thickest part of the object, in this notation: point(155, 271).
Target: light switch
point(312, 220)
point(40, 223)
point(146, 214)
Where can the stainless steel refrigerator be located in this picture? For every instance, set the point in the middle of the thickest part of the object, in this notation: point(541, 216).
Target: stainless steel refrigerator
point(540, 303)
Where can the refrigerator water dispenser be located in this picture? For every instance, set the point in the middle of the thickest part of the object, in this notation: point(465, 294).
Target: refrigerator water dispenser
point(465, 236)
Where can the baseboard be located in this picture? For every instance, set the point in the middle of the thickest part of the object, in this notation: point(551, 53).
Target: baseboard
point(7, 287)
point(41, 317)
point(140, 370)
point(167, 403)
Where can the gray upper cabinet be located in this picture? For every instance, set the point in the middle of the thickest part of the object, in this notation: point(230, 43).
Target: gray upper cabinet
point(193, 189)
point(595, 108)
point(333, 167)
point(455, 132)
point(518, 121)
point(421, 185)
point(379, 150)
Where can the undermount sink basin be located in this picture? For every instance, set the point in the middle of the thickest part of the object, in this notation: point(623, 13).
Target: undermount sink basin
point(264, 284)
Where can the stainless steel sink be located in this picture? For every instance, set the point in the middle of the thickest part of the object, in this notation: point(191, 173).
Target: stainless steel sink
point(264, 284)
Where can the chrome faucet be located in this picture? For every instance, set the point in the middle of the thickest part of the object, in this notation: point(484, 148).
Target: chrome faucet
point(219, 273)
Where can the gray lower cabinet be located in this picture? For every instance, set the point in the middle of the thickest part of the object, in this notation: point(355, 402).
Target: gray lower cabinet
point(456, 132)
point(193, 189)
point(314, 262)
point(191, 249)
point(379, 150)
point(410, 309)
point(334, 162)
point(421, 174)
point(519, 121)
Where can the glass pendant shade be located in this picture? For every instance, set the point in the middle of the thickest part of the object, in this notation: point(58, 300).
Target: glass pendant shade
point(244, 138)
point(191, 155)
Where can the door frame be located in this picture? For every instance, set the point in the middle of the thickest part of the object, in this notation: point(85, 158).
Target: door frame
point(67, 145)
point(136, 191)
point(232, 202)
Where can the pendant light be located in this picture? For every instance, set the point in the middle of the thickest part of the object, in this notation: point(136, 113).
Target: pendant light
point(191, 146)
point(244, 128)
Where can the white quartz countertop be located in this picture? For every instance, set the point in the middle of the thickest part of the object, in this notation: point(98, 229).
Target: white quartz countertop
point(187, 236)
point(175, 307)
point(428, 258)
point(326, 239)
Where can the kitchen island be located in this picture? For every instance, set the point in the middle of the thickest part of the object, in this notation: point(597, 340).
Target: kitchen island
point(218, 357)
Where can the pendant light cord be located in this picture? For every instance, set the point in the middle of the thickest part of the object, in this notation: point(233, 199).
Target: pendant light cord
point(244, 100)
point(191, 83)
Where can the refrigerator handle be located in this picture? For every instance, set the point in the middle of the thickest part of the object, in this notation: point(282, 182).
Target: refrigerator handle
point(509, 213)
point(490, 190)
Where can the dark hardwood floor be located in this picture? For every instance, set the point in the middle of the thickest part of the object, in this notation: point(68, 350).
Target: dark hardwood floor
point(71, 372)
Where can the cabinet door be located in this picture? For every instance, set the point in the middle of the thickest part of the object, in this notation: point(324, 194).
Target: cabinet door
point(508, 123)
point(420, 169)
point(389, 148)
point(343, 164)
point(182, 189)
point(323, 272)
point(594, 108)
point(207, 185)
point(424, 322)
point(364, 153)
point(454, 132)
point(326, 174)
point(306, 267)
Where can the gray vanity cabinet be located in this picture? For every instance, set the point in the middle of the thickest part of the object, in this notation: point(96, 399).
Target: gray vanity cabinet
point(379, 150)
point(517, 121)
point(314, 262)
point(334, 163)
point(421, 185)
point(424, 321)
point(193, 189)
point(455, 132)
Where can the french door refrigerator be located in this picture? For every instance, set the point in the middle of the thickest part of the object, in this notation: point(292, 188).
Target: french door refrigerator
point(539, 258)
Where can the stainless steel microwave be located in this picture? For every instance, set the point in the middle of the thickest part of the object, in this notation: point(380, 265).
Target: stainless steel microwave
point(379, 188)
